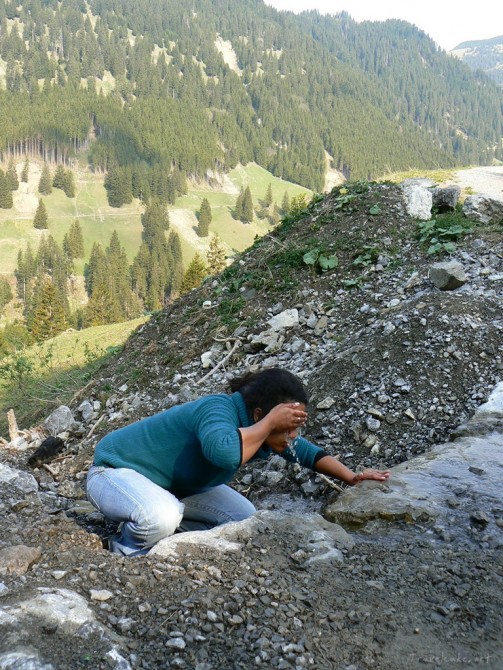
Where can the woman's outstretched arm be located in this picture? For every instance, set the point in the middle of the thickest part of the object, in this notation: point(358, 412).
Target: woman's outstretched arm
point(330, 466)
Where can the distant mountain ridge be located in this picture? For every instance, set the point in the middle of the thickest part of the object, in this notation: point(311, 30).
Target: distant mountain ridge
point(148, 87)
point(486, 55)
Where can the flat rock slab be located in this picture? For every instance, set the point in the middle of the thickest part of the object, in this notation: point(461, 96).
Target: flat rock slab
point(311, 533)
point(469, 468)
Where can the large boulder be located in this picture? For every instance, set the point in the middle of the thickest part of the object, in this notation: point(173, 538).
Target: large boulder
point(446, 199)
point(60, 420)
point(483, 209)
point(448, 276)
point(418, 199)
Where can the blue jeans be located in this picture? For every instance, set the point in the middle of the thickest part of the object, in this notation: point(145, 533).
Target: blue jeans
point(148, 513)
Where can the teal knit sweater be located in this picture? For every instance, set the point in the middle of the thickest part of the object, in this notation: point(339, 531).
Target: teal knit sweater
point(190, 447)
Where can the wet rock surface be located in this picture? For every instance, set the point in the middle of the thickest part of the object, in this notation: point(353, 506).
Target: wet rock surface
point(400, 375)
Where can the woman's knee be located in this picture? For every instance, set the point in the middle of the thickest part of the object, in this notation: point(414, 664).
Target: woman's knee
point(153, 523)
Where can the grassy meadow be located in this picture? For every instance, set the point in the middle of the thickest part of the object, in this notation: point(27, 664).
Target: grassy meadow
point(98, 220)
point(37, 379)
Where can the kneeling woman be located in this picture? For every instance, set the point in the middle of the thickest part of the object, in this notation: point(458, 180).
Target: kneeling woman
point(169, 471)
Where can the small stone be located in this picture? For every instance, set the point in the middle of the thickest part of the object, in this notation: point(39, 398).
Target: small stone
point(58, 574)
point(448, 276)
point(102, 595)
point(176, 643)
point(372, 424)
point(326, 403)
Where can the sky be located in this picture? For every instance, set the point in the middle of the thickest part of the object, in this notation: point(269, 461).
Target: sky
point(447, 22)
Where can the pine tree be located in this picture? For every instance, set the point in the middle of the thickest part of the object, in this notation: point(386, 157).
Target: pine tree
point(45, 184)
point(205, 217)
point(6, 201)
point(58, 180)
point(11, 175)
point(247, 212)
point(285, 204)
point(268, 197)
point(25, 171)
point(96, 268)
point(195, 274)
point(76, 239)
point(238, 207)
point(48, 315)
point(6, 294)
point(40, 220)
point(215, 257)
point(69, 184)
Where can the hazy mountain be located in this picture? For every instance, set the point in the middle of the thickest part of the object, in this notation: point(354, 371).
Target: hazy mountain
point(486, 55)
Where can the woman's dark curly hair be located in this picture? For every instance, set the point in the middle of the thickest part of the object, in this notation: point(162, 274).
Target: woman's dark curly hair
point(268, 388)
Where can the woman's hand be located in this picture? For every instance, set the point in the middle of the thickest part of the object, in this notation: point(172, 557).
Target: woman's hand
point(370, 473)
point(286, 417)
point(283, 419)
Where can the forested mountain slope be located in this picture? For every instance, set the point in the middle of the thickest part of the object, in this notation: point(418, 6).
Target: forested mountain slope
point(152, 86)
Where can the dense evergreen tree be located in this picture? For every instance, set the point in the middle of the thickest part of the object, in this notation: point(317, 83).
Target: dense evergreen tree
point(6, 200)
point(238, 207)
point(74, 246)
point(285, 203)
point(268, 196)
point(215, 258)
point(205, 217)
point(25, 171)
point(45, 183)
point(41, 218)
point(11, 176)
point(194, 275)
point(247, 210)
point(6, 294)
point(119, 185)
point(48, 318)
point(64, 179)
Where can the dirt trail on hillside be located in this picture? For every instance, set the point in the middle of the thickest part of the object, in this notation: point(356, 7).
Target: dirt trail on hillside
point(487, 180)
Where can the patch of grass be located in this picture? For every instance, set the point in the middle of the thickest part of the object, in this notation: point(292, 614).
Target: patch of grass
point(35, 380)
point(438, 175)
point(229, 309)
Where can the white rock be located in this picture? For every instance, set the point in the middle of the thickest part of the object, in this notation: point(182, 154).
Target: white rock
point(286, 319)
point(101, 594)
point(207, 360)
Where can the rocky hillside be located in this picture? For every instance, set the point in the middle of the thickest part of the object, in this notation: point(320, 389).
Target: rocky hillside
point(396, 347)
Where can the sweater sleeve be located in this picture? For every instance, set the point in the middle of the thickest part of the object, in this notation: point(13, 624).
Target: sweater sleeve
point(216, 426)
point(307, 452)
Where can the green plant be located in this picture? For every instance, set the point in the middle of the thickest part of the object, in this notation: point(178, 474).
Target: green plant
point(229, 308)
point(439, 234)
point(322, 260)
point(17, 368)
point(368, 256)
point(356, 282)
